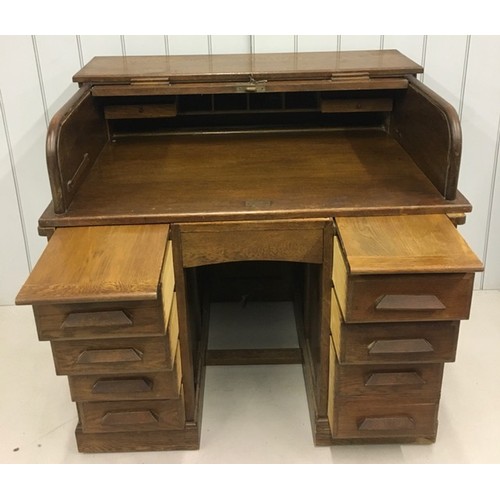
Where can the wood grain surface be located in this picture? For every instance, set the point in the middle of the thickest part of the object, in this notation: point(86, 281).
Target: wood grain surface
point(102, 263)
point(217, 68)
point(249, 175)
point(405, 244)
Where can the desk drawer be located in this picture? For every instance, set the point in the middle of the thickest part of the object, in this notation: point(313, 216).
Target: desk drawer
point(158, 385)
point(291, 241)
point(112, 356)
point(402, 342)
point(400, 297)
point(402, 268)
point(123, 416)
point(357, 419)
point(85, 319)
point(99, 320)
point(420, 381)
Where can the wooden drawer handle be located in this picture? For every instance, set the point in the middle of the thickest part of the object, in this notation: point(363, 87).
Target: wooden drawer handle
point(409, 303)
point(400, 346)
point(112, 386)
point(396, 423)
point(139, 417)
point(109, 356)
point(99, 319)
point(394, 378)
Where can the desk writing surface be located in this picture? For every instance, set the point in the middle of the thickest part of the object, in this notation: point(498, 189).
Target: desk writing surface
point(253, 175)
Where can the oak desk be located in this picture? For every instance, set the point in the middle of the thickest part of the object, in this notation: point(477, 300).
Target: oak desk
point(326, 179)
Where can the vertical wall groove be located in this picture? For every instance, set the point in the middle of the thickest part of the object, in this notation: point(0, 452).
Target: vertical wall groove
point(80, 50)
point(424, 53)
point(124, 47)
point(464, 77)
point(491, 202)
point(16, 183)
point(382, 40)
point(40, 80)
point(209, 44)
point(167, 48)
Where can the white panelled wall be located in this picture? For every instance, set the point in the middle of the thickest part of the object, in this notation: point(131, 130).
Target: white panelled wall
point(35, 80)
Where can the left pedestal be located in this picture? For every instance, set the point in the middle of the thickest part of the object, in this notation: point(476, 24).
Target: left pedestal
point(104, 296)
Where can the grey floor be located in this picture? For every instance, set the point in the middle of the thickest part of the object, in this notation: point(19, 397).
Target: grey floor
point(252, 414)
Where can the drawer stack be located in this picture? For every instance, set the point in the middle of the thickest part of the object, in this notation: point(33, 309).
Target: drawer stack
point(104, 297)
point(401, 285)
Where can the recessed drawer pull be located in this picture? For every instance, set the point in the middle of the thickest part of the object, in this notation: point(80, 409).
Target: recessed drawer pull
point(400, 346)
point(96, 319)
point(112, 386)
point(409, 303)
point(394, 378)
point(109, 356)
point(397, 423)
point(139, 417)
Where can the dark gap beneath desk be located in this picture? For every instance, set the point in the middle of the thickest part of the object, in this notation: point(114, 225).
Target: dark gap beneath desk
point(256, 309)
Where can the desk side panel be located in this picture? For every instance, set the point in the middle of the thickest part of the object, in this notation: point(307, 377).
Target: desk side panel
point(77, 134)
point(428, 128)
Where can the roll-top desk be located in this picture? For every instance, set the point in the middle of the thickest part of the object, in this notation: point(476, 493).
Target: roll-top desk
point(326, 179)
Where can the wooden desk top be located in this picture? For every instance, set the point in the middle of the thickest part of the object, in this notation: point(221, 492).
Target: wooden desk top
point(251, 175)
point(235, 67)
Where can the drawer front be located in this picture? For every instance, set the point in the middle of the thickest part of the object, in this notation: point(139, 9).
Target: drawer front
point(159, 385)
point(99, 320)
point(419, 381)
point(403, 342)
point(110, 356)
point(409, 298)
point(213, 243)
point(358, 419)
point(401, 297)
point(123, 416)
